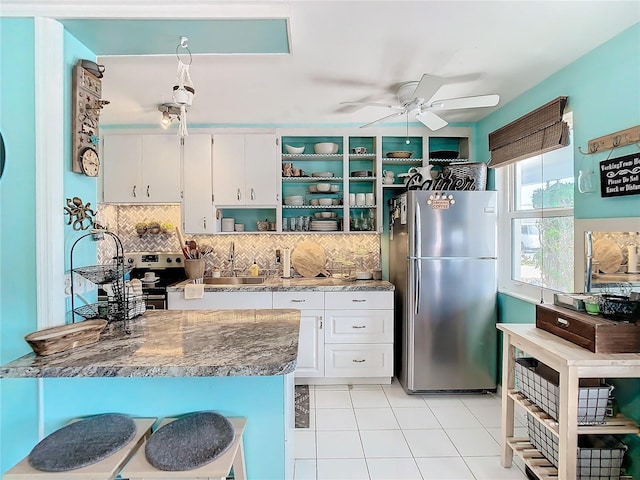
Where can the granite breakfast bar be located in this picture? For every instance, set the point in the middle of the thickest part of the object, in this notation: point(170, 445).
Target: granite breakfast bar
point(239, 363)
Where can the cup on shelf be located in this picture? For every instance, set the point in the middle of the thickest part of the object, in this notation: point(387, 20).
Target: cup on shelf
point(361, 199)
point(228, 224)
point(352, 199)
point(370, 199)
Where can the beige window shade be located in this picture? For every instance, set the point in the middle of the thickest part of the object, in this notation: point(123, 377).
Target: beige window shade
point(537, 132)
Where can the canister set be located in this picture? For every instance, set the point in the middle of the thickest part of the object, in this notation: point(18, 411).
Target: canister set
point(361, 199)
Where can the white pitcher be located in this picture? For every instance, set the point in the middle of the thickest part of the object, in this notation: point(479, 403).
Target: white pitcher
point(388, 176)
point(425, 171)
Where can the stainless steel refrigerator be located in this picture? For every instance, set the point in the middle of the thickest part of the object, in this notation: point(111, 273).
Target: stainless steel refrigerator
point(442, 261)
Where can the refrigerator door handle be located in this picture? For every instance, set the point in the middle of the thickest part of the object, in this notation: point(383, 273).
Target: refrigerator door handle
point(417, 231)
point(417, 271)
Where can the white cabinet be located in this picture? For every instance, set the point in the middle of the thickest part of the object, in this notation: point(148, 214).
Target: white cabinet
point(311, 342)
point(197, 200)
point(245, 170)
point(220, 301)
point(359, 334)
point(141, 168)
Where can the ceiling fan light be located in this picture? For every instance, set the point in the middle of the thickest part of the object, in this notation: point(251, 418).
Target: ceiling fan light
point(166, 119)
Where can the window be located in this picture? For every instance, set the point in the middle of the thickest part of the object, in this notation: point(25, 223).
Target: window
point(536, 257)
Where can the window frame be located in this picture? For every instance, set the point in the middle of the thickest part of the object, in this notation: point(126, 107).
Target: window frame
point(507, 212)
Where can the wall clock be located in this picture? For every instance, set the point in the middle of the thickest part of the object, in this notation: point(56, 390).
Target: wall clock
point(90, 162)
point(87, 102)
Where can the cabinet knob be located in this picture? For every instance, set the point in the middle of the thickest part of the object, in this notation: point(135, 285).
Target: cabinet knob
point(253, 196)
point(204, 222)
point(148, 191)
point(133, 193)
point(320, 317)
point(238, 194)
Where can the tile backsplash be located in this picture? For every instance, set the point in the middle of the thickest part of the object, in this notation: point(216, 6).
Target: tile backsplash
point(261, 247)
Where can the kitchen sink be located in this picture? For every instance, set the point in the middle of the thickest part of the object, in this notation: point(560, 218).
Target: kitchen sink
point(233, 280)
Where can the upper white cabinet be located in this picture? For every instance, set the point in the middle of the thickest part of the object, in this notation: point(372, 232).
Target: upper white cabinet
point(245, 170)
point(141, 168)
point(197, 199)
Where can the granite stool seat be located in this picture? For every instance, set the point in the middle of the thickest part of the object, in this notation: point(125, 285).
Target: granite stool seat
point(105, 469)
point(139, 468)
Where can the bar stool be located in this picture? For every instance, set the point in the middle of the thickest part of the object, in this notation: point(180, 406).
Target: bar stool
point(140, 469)
point(106, 469)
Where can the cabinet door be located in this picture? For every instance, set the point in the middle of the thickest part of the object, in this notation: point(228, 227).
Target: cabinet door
point(197, 204)
point(354, 360)
point(310, 344)
point(261, 170)
point(161, 168)
point(228, 170)
point(122, 168)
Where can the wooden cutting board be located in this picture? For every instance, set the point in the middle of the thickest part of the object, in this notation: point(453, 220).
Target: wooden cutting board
point(608, 254)
point(309, 259)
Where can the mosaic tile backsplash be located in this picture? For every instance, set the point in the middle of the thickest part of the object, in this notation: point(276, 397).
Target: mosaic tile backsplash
point(121, 220)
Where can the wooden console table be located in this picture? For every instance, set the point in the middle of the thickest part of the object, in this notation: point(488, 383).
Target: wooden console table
point(572, 363)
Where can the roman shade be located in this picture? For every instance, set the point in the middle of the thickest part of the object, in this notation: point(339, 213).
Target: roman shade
point(537, 132)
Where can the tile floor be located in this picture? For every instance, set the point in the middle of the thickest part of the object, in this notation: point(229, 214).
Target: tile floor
point(376, 432)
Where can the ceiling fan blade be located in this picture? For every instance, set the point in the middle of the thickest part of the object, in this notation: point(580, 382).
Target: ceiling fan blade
point(394, 114)
point(431, 120)
point(373, 104)
point(428, 86)
point(465, 102)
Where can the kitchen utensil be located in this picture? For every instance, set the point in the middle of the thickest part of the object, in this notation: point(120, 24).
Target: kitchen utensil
point(309, 259)
point(399, 154)
point(183, 244)
point(608, 254)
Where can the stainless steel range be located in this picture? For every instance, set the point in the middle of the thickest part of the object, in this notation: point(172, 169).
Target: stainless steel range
point(164, 268)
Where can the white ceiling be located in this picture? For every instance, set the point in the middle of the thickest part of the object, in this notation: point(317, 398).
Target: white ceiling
point(361, 51)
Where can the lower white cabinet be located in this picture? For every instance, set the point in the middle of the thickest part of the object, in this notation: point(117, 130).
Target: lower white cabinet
point(358, 360)
point(220, 301)
point(311, 341)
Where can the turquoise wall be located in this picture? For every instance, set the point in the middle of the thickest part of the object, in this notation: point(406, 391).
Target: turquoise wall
point(604, 95)
point(18, 399)
point(260, 399)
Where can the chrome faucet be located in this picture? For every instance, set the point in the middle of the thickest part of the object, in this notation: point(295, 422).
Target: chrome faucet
point(232, 258)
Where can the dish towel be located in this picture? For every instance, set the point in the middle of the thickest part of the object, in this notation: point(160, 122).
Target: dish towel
point(193, 290)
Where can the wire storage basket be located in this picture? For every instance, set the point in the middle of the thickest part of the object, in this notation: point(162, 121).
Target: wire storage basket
point(476, 171)
point(540, 384)
point(599, 456)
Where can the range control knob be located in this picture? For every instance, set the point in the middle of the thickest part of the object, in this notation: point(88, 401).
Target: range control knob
point(169, 260)
point(130, 260)
point(178, 260)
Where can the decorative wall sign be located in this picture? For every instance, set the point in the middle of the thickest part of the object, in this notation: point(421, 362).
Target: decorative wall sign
point(620, 176)
point(445, 181)
point(87, 103)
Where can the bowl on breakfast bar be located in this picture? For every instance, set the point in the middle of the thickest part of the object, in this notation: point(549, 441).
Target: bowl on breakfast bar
point(325, 148)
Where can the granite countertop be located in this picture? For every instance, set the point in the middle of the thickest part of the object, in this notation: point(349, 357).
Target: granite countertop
point(177, 343)
point(277, 284)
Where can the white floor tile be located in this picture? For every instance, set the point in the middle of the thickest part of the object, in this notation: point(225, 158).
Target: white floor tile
point(398, 398)
point(363, 386)
point(331, 387)
point(416, 418)
point(376, 419)
point(489, 468)
point(344, 444)
point(335, 419)
point(437, 400)
point(430, 443)
point(342, 469)
point(484, 399)
point(474, 442)
point(368, 398)
point(333, 399)
point(393, 469)
point(444, 468)
point(304, 470)
point(305, 446)
point(488, 415)
point(455, 417)
point(384, 444)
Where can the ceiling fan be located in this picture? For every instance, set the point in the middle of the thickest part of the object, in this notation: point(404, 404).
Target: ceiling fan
point(418, 99)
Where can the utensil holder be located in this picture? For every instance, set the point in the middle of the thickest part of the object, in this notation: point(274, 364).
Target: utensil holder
point(194, 267)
